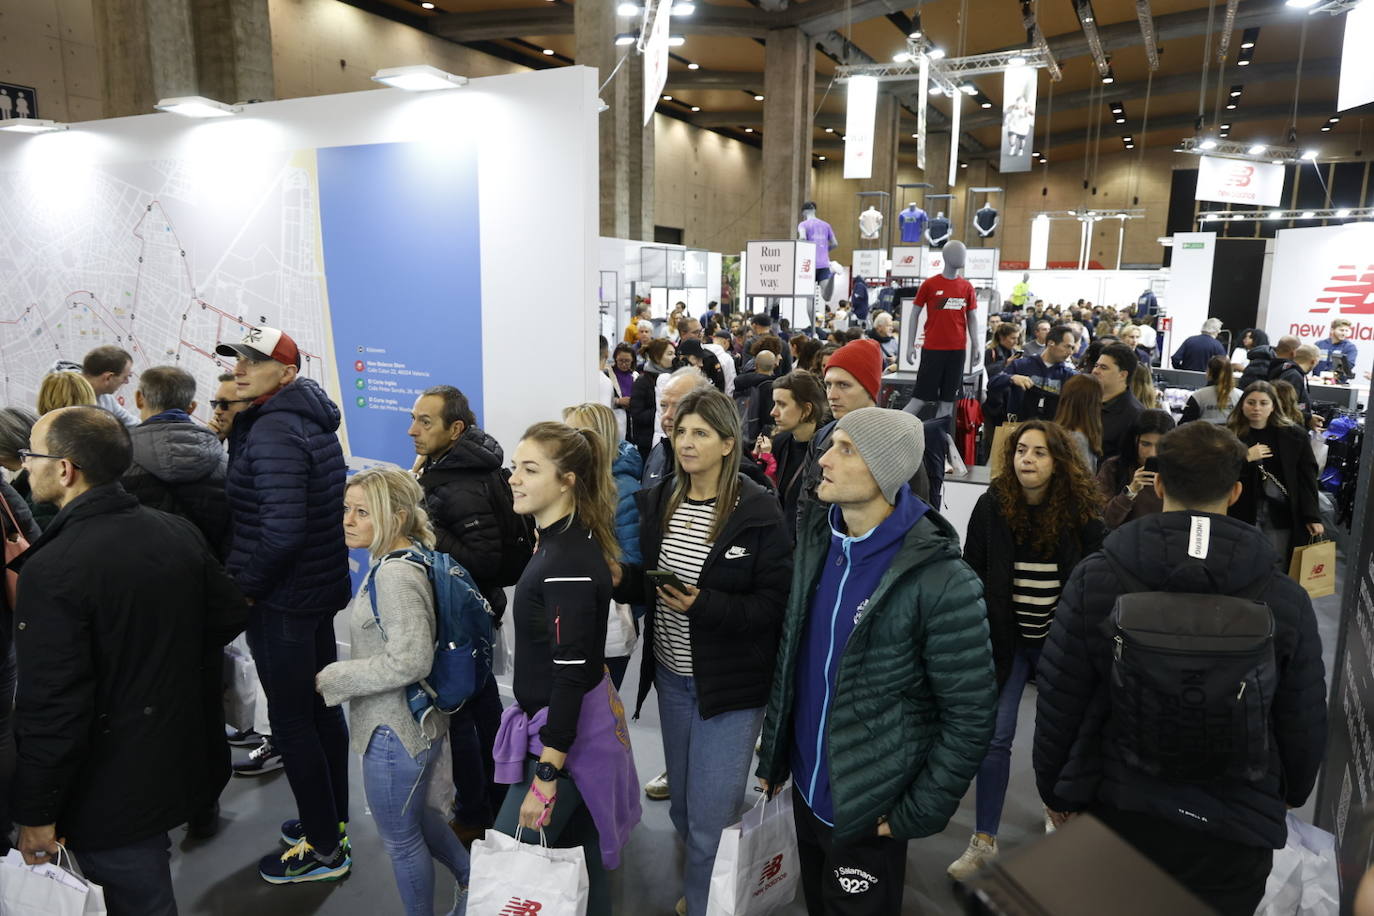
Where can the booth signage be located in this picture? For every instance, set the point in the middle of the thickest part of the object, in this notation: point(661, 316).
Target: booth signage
point(922, 103)
point(1319, 274)
point(1239, 181)
point(781, 268)
point(1357, 64)
point(656, 59)
point(956, 105)
point(868, 262)
point(861, 110)
point(1018, 118)
point(979, 263)
point(908, 261)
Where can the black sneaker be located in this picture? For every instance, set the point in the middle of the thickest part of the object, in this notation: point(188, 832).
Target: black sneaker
point(247, 738)
point(262, 759)
point(293, 831)
point(301, 863)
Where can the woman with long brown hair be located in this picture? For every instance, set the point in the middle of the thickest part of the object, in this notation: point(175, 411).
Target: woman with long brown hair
point(1214, 401)
point(1026, 534)
point(1080, 415)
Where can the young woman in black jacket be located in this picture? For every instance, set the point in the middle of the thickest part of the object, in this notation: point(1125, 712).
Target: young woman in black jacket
point(799, 409)
point(658, 360)
point(1279, 482)
point(710, 644)
point(1026, 534)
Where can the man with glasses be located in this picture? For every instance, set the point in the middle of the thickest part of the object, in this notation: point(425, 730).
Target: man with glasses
point(287, 554)
point(1031, 384)
point(119, 607)
point(224, 405)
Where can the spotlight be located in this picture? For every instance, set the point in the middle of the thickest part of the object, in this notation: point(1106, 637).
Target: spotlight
point(1308, 214)
point(901, 57)
point(1110, 77)
point(1248, 38)
point(1235, 91)
point(625, 38)
point(1017, 61)
point(1342, 213)
point(936, 90)
point(1230, 106)
point(676, 41)
point(749, 130)
point(987, 104)
point(694, 66)
point(1335, 119)
point(831, 130)
point(936, 54)
point(197, 106)
point(1226, 127)
point(667, 98)
point(1121, 120)
point(683, 9)
point(696, 108)
point(758, 98)
point(1130, 146)
point(426, 5)
point(628, 9)
point(915, 136)
point(1209, 143)
point(1326, 128)
point(548, 52)
point(1257, 149)
point(968, 89)
point(822, 158)
point(1310, 154)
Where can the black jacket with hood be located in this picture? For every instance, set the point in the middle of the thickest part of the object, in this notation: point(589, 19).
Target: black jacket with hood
point(179, 468)
point(1076, 760)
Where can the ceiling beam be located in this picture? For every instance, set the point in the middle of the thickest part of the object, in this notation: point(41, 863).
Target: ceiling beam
point(557, 19)
point(754, 119)
point(1242, 115)
point(820, 16)
point(739, 80)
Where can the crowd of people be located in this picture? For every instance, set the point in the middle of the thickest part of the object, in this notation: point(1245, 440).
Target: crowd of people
point(736, 500)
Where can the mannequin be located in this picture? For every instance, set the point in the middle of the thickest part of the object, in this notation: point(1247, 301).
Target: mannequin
point(870, 222)
point(1146, 305)
point(985, 221)
point(814, 229)
point(951, 334)
point(937, 232)
point(912, 222)
point(1020, 293)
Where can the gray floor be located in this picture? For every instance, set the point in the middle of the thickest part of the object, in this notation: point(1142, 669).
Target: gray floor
point(220, 876)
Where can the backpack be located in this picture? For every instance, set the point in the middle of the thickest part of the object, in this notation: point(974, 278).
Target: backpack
point(750, 420)
point(463, 634)
point(517, 531)
point(1192, 680)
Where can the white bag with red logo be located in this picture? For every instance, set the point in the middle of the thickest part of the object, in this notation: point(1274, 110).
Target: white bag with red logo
point(756, 870)
point(511, 878)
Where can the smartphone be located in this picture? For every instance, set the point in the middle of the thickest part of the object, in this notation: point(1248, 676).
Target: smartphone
point(1152, 464)
point(662, 577)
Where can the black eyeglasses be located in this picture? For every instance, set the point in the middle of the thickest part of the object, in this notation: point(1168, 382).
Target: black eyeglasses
point(25, 455)
point(226, 403)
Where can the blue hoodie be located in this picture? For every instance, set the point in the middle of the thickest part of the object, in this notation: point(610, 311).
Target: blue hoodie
point(853, 569)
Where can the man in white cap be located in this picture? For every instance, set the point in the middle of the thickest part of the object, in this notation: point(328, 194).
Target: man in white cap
point(286, 485)
point(883, 699)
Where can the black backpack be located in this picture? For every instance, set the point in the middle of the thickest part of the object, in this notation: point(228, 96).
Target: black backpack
point(1193, 677)
point(517, 531)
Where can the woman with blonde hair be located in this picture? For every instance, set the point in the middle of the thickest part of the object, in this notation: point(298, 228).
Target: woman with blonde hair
point(64, 389)
point(392, 648)
point(1143, 385)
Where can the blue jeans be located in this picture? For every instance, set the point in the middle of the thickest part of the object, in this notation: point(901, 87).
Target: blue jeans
point(708, 769)
point(290, 649)
point(137, 879)
point(413, 834)
point(995, 770)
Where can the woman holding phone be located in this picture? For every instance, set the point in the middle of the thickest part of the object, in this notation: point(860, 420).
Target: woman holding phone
point(1127, 481)
point(715, 575)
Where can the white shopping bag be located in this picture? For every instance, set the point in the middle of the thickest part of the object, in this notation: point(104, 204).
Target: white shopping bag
point(513, 877)
point(1303, 880)
point(240, 689)
point(756, 870)
point(46, 890)
point(621, 635)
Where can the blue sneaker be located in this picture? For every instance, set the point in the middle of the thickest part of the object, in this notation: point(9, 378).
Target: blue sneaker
point(293, 831)
point(301, 864)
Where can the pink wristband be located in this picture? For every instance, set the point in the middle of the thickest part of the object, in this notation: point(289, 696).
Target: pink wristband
point(546, 800)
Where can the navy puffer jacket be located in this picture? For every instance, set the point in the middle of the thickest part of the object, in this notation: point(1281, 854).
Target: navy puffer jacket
point(286, 487)
point(1076, 757)
point(627, 470)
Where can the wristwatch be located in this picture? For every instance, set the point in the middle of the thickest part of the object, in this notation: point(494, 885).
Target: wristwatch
point(546, 772)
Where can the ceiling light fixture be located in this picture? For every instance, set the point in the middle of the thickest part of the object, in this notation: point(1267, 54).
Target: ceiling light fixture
point(426, 5)
point(1017, 61)
point(625, 38)
point(548, 52)
point(628, 9)
point(696, 108)
point(683, 9)
point(694, 66)
point(1274, 214)
point(676, 41)
point(1230, 106)
point(968, 89)
point(31, 125)
point(831, 130)
point(1310, 155)
point(1249, 38)
point(1334, 119)
point(936, 90)
point(1257, 149)
point(1325, 128)
point(987, 104)
point(1209, 143)
point(901, 57)
point(936, 54)
point(1121, 120)
point(915, 26)
point(1236, 91)
point(1130, 146)
point(1307, 214)
point(758, 98)
point(667, 98)
point(1342, 213)
point(1109, 77)
point(197, 106)
point(822, 158)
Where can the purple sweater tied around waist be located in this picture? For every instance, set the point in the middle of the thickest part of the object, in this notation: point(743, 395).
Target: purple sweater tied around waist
point(601, 762)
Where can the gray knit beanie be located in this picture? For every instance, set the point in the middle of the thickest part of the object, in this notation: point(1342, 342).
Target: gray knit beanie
point(891, 442)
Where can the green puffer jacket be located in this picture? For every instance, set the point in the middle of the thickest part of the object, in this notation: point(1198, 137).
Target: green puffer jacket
point(915, 695)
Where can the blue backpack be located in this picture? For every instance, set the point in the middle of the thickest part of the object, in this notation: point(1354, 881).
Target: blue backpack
point(463, 630)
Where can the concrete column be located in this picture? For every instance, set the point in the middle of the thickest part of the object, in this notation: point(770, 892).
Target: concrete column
point(789, 91)
point(233, 49)
point(147, 52)
point(626, 143)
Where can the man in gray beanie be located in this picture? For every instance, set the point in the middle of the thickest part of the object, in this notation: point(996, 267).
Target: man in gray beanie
point(883, 698)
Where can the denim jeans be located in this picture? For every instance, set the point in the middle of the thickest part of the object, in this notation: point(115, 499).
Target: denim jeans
point(996, 767)
point(290, 649)
point(413, 834)
point(569, 825)
point(137, 879)
point(472, 734)
point(708, 770)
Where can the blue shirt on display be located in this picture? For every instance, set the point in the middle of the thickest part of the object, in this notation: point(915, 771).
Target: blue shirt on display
point(913, 223)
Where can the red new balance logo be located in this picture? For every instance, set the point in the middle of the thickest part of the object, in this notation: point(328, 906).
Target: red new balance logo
point(519, 907)
point(1318, 569)
point(1352, 289)
point(1240, 176)
point(771, 869)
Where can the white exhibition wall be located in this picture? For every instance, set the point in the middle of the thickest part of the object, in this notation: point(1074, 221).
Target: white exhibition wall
point(392, 233)
point(1119, 288)
point(1322, 273)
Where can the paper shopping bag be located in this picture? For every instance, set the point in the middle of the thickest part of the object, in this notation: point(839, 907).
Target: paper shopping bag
point(997, 457)
point(621, 634)
point(46, 890)
point(510, 877)
point(1314, 568)
point(240, 689)
point(1303, 880)
point(756, 869)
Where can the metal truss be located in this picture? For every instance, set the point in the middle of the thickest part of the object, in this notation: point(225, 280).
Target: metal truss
point(1217, 216)
point(1085, 215)
point(946, 73)
point(1230, 149)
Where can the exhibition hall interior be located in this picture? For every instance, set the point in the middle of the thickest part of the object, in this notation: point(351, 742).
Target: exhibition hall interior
point(560, 457)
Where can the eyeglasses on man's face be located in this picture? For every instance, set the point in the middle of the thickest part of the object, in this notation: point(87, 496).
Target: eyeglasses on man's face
point(26, 454)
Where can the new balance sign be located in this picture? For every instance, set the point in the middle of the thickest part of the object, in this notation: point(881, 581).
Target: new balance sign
point(773, 873)
point(1237, 181)
point(1321, 274)
point(519, 906)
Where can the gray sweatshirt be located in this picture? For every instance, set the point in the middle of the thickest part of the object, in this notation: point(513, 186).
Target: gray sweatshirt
point(375, 678)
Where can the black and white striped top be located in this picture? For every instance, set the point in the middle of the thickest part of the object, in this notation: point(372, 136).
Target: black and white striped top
point(1035, 588)
point(684, 551)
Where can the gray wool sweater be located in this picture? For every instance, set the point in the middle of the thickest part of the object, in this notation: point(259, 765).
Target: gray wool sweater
point(375, 678)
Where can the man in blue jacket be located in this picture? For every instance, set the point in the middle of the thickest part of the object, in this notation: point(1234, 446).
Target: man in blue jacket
point(286, 485)
point(1216, 838)
point(1194, 353)
point(1031, 384)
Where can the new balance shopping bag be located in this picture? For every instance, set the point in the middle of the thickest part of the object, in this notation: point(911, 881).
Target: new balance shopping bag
point(510, 878)
point(1303, 880)
point(756, 868)
point(1314, 568)
point(46, 890)
point(1000, 436)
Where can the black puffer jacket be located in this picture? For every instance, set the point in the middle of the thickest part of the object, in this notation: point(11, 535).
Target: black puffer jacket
point(179, 468)
point(736, 621)
point(1077, 764)
point(990, 550)
point(461, 487)
point(1262, 363)
point(644, 407)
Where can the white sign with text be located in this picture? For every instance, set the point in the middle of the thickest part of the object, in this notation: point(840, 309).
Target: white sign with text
point(656, 59)
point(1319, 274)
point(861, 109)
point(782, 268)
point(868, 262)
point(908, 261)
point(1237, 181)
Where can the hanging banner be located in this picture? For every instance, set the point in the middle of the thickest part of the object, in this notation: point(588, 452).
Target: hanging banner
point(656, 59)
point(1236, 181)
point(956, 105)
point(1040, 242)
point(1357, 64)
point(923, 93)
point(861, 111)
point(1018, 118)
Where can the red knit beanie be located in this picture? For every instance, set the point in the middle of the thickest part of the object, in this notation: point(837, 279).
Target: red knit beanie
point(863, 359)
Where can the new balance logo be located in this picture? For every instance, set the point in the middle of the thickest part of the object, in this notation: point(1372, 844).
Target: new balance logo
point(771, 869)
point(1351, 289)
point(517, 906)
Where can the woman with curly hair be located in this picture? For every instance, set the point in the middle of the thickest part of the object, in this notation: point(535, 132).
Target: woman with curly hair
point(1027, 533)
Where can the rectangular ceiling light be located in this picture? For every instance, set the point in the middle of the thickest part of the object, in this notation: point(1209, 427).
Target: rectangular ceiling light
point(418, 78)
point(197, 106)
point(30, 126)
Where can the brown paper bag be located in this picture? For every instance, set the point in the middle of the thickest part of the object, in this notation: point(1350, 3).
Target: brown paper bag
point(1000, 435)
point(1314, 568)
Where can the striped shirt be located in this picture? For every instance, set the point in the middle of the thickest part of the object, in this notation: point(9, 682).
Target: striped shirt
point(684, 551)
point(1035, 588)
